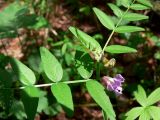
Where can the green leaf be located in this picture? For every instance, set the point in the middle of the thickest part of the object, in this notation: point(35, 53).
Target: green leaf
point(154, 97)
point(62, 93)
point(87, 41)
point(125, 3)
point(41, 22)
point(145, 115)
point(32, 91)
point(134, 113)
point(30, 105)
point(104, 115)
point(139, 7)
point(134, 16)
point(153, 111)
point(24, 74)
point(85, 69)
point(117, 49)
point(9, 15)
point(104, 19)
point(15, 16)
point(96, 90)
point(140, 96)
point(34, 61)
point(117, 11)
point(127, 29)
point(51, 66)
point(145, 2)
point(42, 104)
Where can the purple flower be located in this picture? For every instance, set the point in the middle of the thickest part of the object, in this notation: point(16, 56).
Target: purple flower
point(114, 84)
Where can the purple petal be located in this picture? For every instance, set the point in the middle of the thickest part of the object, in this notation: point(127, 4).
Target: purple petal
point(117, 82)
point(119, 77)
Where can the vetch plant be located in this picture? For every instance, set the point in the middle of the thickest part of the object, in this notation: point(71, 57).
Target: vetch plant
point(147, 110)
point(87, 58)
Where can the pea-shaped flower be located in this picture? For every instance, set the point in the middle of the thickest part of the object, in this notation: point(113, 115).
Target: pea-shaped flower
point(114, 84)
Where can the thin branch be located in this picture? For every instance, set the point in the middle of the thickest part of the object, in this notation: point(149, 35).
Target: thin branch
point(120, 20)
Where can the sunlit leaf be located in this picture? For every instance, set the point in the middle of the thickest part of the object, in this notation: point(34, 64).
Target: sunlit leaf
point(117, 11)
point(154, 97)
point(153, 110)
point(127, 29)
point(117, 49)
point(145, 2)
point(126, 3)
point(140, 96)
point(145, 115)
point(51, 66)
point(62, 93)
point(134, 113)
point(104, 19)
point(134, 16)
point(96, 90)
point(139, 7)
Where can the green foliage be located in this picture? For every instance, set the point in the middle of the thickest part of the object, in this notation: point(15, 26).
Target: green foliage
point(32, 91)
point(153, 110)
point(126, 3)
point(24, 74)
point(117, 11)
point(83, 68)
point(134, 17)
point(87, 41)
point(51, 66)
point(140, 96)
point(117, 49)
point(139, 7)
point(13, 17)
point(125, 29)
point(41, 23)
point(147, 111)
point(96, 90)
point(145, 2)
point(153, 97)
point(134, 113)
point(104, 19)
point(10, 16)
point(62, 93)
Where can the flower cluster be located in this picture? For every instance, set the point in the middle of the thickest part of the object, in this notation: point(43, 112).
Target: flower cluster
point(114, 84)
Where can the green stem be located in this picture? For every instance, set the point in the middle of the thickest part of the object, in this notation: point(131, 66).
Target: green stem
point(97, 71)
point(120, 20)
point(50, 84)
point(67, 82)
